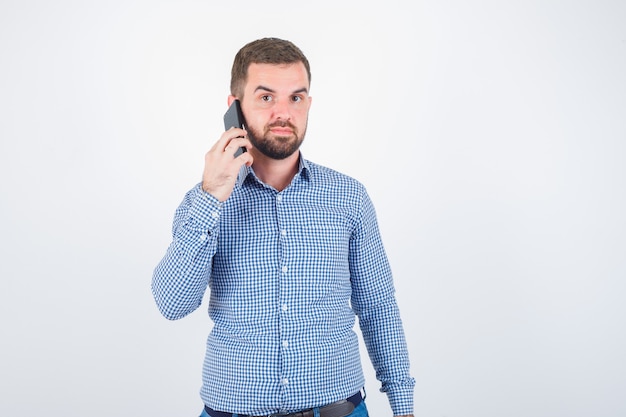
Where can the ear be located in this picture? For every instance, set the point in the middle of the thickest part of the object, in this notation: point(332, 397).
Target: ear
point(231, 98)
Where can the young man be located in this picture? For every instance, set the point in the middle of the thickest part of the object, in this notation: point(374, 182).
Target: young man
point(292, 254)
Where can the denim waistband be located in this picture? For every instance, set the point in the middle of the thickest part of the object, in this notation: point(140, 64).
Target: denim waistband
point(336, 409)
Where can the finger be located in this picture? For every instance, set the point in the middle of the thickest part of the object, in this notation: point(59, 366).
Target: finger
point(227, 136)
point(235, 132)
point(237, 143)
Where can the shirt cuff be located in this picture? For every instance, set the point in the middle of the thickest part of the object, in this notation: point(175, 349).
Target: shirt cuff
point(401, 398)
point(204, 213)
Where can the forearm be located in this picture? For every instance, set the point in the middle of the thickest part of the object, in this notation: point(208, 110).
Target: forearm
point(384, 338)
point(373, 299)
point(181, 277)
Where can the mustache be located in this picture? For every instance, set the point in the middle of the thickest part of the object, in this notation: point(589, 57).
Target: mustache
point(282, 123)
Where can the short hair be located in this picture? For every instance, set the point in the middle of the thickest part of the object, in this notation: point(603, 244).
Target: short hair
point(263, 51)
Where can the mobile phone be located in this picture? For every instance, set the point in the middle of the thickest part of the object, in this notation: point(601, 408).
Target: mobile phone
point(234, 118)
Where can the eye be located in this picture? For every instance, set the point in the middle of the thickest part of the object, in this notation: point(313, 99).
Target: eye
point(266, 97)
point(296, 99)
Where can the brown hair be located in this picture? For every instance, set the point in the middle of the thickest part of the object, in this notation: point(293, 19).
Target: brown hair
point(263, 51)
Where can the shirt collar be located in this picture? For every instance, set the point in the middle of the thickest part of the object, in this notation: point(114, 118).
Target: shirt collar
point(303, 170)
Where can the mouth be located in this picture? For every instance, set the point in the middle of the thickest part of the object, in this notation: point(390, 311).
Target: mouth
point(281, 131)
point(282, 128)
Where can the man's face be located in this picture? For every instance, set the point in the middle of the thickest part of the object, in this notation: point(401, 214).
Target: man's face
point(276, 106)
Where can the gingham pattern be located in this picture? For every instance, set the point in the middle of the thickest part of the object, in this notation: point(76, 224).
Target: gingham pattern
point(287, 272)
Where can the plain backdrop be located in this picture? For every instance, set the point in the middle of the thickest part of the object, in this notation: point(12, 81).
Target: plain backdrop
point(491, 136)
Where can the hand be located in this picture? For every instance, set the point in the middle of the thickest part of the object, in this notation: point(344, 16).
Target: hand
point(220, 165)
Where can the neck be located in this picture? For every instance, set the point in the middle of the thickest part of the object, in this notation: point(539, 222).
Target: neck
point(276, 173)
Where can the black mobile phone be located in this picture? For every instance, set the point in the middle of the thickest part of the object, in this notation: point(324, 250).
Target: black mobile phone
point(234, 118)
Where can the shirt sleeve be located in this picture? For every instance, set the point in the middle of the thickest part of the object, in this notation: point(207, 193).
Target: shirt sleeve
point(181, 277)
point(373, 299)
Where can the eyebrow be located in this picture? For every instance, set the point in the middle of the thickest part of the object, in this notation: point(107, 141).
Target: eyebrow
point(269, 90)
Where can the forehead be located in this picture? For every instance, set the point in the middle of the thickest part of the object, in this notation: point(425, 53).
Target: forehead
point(277, 77)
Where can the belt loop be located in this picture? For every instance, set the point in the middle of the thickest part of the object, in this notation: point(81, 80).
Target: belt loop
point(364, 393)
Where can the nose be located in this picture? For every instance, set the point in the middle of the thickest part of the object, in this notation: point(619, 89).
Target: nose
point(281, 110)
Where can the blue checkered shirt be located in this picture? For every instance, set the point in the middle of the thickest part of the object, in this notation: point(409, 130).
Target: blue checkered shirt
point(288, 273)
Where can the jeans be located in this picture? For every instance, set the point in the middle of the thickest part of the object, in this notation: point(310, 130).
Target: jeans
point(360, 411)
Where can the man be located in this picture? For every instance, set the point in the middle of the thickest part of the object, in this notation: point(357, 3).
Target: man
point(292, 254)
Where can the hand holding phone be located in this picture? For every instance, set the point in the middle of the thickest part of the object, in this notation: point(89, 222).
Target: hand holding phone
point(234, 118)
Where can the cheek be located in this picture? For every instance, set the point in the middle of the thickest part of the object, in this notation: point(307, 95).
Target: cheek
point(300, 112)
point(303, 119)
point(255, 122)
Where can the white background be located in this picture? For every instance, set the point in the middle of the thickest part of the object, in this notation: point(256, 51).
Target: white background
point(491, 136)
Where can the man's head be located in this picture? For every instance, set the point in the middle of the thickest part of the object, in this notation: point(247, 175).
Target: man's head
point(271, 78)
point(264, 51)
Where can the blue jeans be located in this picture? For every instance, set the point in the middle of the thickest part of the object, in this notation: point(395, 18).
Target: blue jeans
point(360, 411)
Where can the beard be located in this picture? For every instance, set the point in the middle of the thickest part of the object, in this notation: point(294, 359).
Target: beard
point(273, 146)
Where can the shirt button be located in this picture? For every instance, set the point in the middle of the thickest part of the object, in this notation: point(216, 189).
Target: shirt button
point(284, 268)
point(203, 238)
point(284, 307)
point(215, 215)
point(285, 381)
point(283, 232)
point(279, 198)
point(285, 343)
